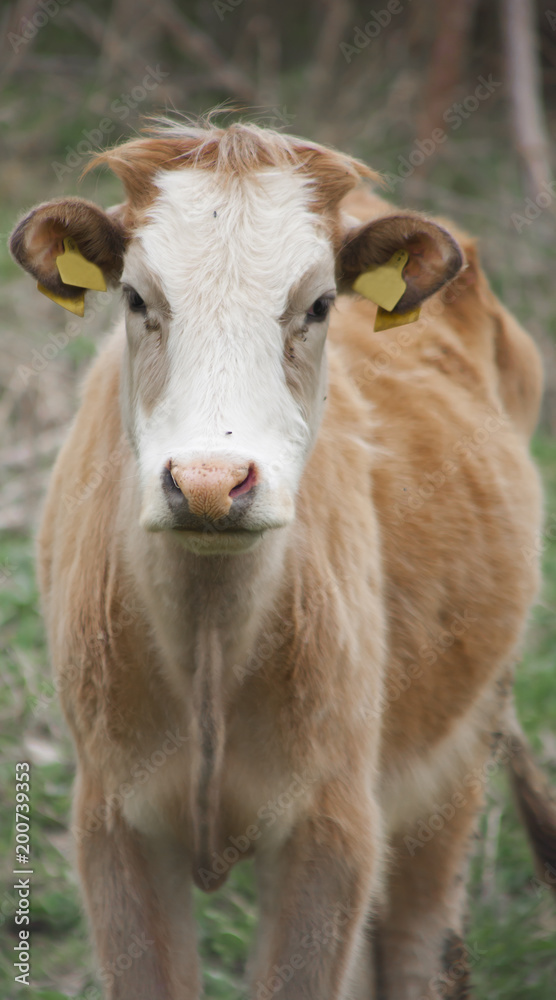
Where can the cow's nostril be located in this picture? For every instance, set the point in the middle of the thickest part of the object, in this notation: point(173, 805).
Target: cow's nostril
point(245, 485)
point(168, 480)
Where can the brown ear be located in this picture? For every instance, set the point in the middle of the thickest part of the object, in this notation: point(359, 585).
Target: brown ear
point(37, 241)
point(434, 255)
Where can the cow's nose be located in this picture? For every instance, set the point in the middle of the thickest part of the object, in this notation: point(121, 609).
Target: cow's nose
point(211, 487)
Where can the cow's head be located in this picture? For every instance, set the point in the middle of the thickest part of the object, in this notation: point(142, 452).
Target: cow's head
point(230, 250)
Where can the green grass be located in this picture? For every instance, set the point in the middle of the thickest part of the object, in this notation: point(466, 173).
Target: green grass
point(512, 916)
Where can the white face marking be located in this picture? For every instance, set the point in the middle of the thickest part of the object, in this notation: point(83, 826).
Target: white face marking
point(216, 263)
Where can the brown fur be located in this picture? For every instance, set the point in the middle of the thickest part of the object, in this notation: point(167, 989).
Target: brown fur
point(38, 239)
point(434, 255)
point(235, 151)
point(364, 671)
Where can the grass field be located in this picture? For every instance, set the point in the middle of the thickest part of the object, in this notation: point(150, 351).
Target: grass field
point(512, 922)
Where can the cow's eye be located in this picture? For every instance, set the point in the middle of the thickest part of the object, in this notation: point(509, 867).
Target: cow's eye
point(134, 300)
point(319, 310)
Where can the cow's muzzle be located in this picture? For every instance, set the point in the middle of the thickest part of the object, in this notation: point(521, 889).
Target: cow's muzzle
point(209, 495)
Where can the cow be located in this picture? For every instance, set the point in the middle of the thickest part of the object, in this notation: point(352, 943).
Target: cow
point(285, 564)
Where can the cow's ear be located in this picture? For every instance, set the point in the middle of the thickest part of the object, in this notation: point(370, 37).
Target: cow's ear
point(433, 256)
point(64, 227)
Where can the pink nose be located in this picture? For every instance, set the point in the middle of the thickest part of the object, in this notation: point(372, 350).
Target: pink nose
point(210, 488)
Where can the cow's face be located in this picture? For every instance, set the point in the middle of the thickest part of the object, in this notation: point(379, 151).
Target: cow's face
point(227, 289)
point(228, 280)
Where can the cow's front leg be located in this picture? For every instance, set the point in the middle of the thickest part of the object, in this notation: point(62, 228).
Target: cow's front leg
point(314, 897)
point(139, 905)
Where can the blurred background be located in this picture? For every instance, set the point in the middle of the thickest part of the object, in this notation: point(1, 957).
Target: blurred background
point(454, 102)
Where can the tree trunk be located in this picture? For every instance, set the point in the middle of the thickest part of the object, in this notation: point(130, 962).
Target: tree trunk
point(524, 85)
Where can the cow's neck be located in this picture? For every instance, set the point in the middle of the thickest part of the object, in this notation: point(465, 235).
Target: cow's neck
point(230, 598)
point(207, 614)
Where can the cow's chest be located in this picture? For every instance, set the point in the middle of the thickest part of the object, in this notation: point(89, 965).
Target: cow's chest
point(259, 796)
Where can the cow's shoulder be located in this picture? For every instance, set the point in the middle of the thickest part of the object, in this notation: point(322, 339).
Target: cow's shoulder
point(465, 333)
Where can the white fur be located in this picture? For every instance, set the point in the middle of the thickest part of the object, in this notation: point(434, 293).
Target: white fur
point(226, 279)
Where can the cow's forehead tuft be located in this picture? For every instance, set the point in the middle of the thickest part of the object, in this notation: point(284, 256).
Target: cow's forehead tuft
point(234, 151)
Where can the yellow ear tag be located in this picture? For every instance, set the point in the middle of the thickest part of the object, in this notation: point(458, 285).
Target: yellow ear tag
point(385, 320)
point(74, 269)
point(76, 305)
point(384, 284)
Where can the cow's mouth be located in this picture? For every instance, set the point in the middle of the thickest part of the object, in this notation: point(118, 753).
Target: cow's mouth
point(226, 541)
point(214, 532)
point(232, 523)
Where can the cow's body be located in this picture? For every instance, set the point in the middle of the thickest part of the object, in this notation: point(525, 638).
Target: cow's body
point(327, 700)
